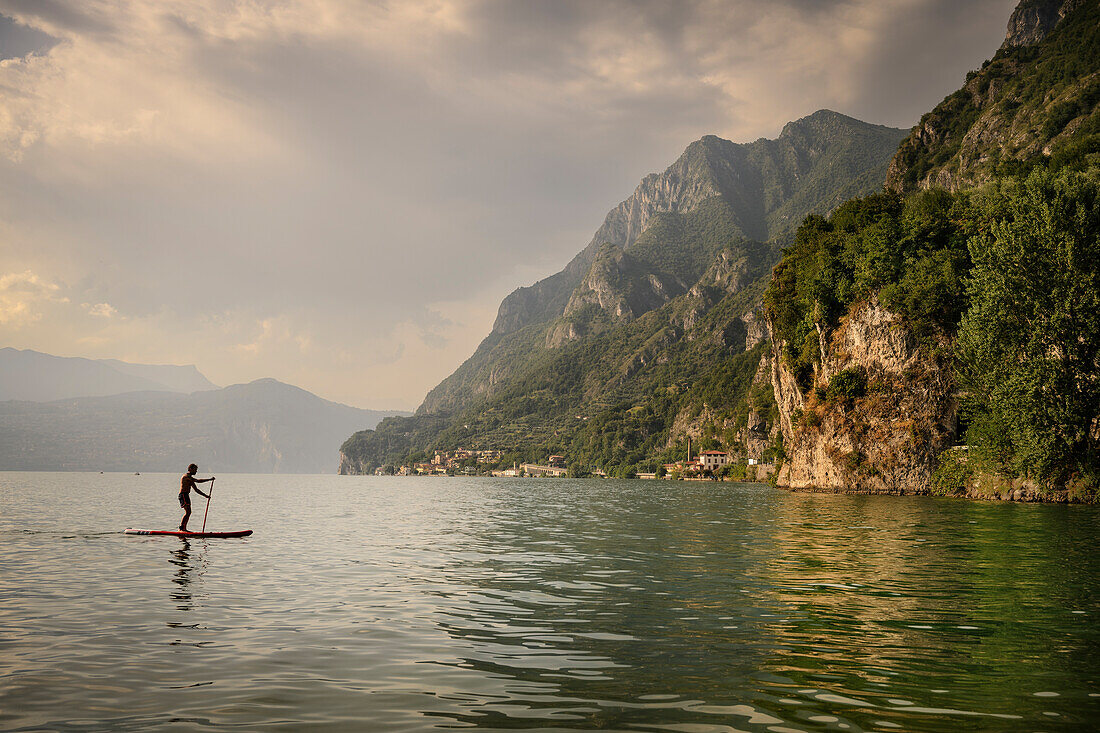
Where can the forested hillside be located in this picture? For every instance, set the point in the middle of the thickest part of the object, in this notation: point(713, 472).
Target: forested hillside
point(1033, 103)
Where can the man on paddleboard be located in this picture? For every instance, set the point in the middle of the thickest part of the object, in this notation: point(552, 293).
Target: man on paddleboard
point(187, 483)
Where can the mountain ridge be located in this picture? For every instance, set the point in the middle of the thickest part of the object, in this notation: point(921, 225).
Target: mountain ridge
point(39, 377)
point(715, 194)
point(264, 426)
point(1035, 102)
point(677, 189)
point(657, 308)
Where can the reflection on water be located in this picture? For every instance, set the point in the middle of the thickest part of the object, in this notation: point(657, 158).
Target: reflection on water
point(405, 604)
point(187, 570)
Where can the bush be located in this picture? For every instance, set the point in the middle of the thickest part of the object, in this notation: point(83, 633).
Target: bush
point(848, 384)
point(951, 475)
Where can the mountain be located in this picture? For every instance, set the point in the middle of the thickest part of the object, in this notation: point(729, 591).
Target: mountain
point(261, 427)
point(960, 352)
point(1035, 101)
point(764, 186)
point(37, 377)
point(717, 195)
point(654, 316)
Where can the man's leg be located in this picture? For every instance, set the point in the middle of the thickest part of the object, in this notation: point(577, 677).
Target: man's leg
point(186, 516)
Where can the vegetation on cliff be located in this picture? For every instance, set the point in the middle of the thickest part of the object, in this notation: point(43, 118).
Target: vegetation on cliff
point(1005, 279)
point(911, 252)
point(1029, 343)
point(982, 259)
point(1034, 101)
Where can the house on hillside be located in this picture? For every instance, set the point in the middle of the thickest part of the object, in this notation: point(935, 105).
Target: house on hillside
point(712, 460)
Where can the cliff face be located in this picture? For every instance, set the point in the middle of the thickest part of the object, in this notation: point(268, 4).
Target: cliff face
point(1037, 95)
point(880, 410)
point(681, 188)
point(1032, 20)
point(351, 467)
point(814, 164)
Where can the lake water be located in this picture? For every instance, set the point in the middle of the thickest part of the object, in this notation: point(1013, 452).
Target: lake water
point(386, 603)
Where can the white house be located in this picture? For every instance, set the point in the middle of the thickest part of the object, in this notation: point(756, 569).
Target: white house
point(712, 460)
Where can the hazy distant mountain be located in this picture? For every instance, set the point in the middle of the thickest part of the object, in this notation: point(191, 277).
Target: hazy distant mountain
point(261, 427)
point(32, 375)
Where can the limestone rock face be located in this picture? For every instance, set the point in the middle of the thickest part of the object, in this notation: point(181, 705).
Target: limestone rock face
point(1032, 20)
point(616, 289)
point(758, 434)
point(728, 274)
point(756, 329)
point(679, 189)
point(887, 435)
point(621, 288)
point(349, 467)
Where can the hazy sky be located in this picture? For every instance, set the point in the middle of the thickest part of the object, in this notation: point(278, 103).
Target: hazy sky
point(338, 194)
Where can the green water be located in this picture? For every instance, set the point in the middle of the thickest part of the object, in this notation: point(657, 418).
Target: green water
point(418, 603)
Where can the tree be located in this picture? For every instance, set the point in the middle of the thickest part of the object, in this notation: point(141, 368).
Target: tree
point(1029, 346)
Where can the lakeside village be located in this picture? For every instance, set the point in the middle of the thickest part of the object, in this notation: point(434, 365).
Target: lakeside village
point(708, 465)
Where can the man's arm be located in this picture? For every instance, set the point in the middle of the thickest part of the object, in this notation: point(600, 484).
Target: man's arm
point(199, 491)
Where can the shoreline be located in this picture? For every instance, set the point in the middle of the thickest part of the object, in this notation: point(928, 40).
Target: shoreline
point(1022, 495)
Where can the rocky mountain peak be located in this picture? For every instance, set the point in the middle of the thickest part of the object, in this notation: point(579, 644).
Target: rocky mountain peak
point(1032, 20)
point(819, 121)
point(767, 185)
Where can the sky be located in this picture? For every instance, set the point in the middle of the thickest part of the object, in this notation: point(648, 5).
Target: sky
point(338, 194)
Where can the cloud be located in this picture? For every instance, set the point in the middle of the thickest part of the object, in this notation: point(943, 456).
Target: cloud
point(100, 310)
point(22, 296)
point(17, 40)
point(341, 170)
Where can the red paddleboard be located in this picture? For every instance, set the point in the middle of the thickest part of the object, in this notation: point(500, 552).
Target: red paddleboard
point(177, 533)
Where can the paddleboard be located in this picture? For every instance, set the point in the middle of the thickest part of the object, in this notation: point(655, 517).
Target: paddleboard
point(177, 533)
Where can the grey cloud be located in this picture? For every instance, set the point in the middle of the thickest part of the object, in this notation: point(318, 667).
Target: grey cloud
point(64, 16)
point(18, 40)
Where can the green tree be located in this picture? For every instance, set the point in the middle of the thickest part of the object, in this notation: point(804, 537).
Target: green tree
point(1029, 346)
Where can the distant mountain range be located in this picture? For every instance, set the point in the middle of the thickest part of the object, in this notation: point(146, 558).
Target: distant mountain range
point(117, 416)
point(32, 375)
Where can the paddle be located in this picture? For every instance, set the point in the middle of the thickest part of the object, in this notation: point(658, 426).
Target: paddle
point(208, 497)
